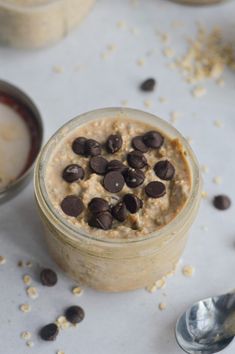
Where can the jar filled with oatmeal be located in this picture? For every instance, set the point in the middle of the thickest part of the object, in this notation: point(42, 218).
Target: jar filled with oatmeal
point(117, 190)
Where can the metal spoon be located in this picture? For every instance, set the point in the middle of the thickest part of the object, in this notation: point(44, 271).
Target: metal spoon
point(208, 326)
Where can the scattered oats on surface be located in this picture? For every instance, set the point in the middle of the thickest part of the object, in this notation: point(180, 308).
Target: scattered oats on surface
point(29, 264)
point(218, 123)
point(140, 62)
point(27, 279)
point(204, 195)
point(207, 56)
point(148, 103)
point(217, 180)
point(57, 69)
point(104, 55)
point(62, 322)
point(159, 284)
point(162, 306)
point(77, 291)
point(112, 47)
point(174, 116)
point(220, 82)
point(124, 103)
point(204, 228)
point(199, 91)
point(135, 31)
point(162, 99)
point(204, 169)
point(30, 344)
point(32, 292)
point(2, 260)
point(177, 24)
point(165, 38)
point(188, 271)
point(121, 24)
point(168, 52)
point(25, 335)
point(25, 308)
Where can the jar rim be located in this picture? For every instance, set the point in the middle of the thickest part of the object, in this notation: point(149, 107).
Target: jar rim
point(73, 233)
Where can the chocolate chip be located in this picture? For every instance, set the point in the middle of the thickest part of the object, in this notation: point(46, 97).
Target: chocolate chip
point(148, 85)
point(133, 203)
point(136, 159)
point(113, 182)
point(138, 144)
point(101, 221)
point(98, 205)
point(164, 170)
point(114, 143)
point(119, 211)
point(222, 202)
point(78, 146)
point(73, 173)
point(98, 164)
point(153, 139)
point(48, 277)
point(155, 189)
point(116, 165)
point(49, 332)
point(92, 148)
point(74, 314)
point(72, 205)
point(134, 178)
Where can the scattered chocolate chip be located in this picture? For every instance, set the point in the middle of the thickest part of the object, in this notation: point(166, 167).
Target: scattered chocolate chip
point(136, 159)
point(164, 170)
point(138, 144)
point(73, 173)
point(148, 85)
point(98, 164)
point(134, 178)
point(49, 332)
point(153, 139)
point(101, 221)
point(119, 211)
point(98, 205)
point(133, 203)
point(222, 202)
point(72, 205)
point(114, 143)
point(113, 182)
point(116, 165)
point(78, 146)
point(74, 314)
point(92, 148)
point(48, 277)
point(155, 189)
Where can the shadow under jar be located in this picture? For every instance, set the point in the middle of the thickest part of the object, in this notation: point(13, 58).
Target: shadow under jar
point(120, 264)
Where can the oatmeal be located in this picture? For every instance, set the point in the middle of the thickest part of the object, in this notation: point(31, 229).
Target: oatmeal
point(118, 178)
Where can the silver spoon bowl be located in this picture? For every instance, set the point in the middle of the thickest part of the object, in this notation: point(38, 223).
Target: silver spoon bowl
point(208, 326)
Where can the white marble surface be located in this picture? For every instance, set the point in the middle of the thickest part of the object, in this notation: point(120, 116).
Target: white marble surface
point(121, 323)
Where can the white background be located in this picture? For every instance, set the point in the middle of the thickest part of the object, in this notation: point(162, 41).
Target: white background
point(129, 322)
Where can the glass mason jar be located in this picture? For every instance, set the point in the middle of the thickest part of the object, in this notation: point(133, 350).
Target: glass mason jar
point(109, 264)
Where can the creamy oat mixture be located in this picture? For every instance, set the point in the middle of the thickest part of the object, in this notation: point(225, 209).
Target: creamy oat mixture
point(155, 212)
point(14, 145)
